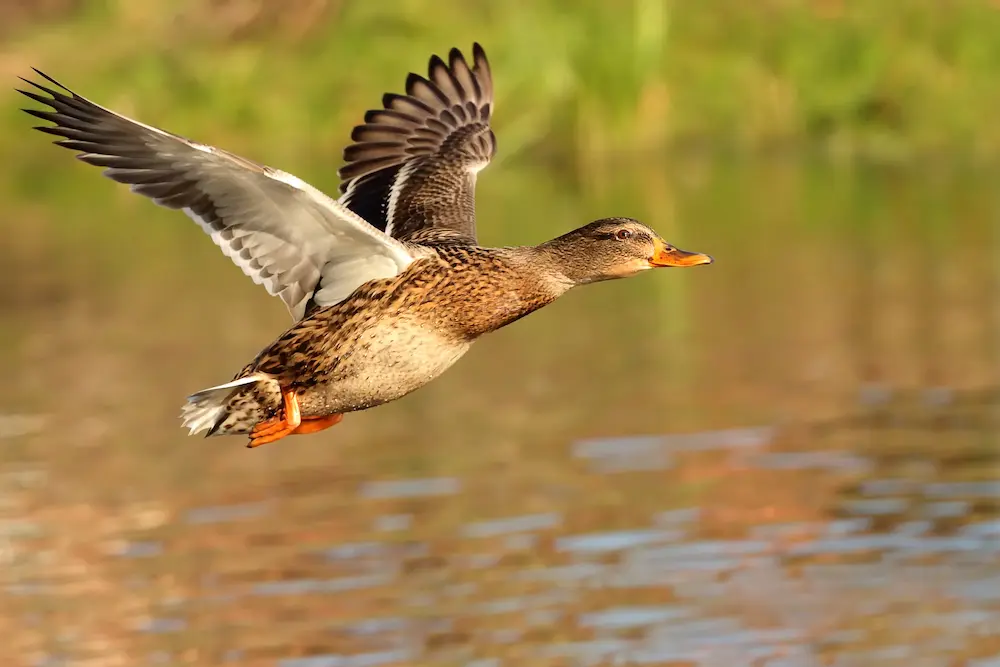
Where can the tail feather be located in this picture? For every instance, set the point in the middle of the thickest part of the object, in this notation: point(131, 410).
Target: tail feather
point(209, 408)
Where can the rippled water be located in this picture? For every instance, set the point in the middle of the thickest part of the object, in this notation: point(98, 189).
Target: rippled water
point(786, 459)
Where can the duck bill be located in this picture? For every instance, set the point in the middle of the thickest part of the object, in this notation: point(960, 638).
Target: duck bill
point(668, 256)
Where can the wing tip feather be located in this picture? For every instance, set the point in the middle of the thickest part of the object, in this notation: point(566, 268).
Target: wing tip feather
point(457, 92)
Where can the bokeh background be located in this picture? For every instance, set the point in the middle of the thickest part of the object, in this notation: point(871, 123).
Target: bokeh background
point(789, 458)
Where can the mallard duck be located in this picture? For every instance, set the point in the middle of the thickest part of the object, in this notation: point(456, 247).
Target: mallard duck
point(387, 285)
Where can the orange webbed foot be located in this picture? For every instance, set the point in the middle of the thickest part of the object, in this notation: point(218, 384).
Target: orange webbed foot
point(316, 424)
point(269, 431)
point(278, 427)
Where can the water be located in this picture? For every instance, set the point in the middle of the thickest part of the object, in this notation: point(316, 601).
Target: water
point(786, 459)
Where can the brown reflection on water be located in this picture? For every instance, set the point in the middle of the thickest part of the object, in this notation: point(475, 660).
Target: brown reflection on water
point(788, 458)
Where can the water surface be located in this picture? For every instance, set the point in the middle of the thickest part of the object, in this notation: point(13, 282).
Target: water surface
point(788, 458)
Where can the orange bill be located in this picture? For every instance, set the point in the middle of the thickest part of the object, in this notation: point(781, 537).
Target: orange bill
point(667, 255)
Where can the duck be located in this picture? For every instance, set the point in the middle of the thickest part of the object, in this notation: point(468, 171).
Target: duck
point(386, 284)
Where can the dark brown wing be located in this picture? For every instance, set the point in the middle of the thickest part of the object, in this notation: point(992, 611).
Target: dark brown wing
point(413, 164)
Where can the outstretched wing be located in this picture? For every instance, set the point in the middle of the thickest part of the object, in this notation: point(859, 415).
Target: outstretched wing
point(413, 164)
point(300, 244)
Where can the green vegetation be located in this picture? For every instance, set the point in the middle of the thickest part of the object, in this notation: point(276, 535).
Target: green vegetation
point(577, 80)
point(584, 89)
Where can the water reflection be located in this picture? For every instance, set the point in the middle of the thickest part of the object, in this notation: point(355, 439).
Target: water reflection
point(778, 463)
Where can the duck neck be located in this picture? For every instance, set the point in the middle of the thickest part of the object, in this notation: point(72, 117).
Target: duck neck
point(561, 264)
point(513, 283)
point(548, 269)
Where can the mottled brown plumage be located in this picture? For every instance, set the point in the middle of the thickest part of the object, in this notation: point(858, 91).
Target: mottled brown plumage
point(387, 286)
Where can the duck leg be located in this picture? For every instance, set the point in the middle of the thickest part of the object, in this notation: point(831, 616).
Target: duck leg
point(282, 424)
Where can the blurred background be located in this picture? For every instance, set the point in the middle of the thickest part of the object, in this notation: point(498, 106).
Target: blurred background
point(789, 458)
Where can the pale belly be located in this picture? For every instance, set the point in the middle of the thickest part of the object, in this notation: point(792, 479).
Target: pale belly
point(384, 364)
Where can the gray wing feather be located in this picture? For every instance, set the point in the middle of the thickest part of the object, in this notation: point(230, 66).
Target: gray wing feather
point(300, 244)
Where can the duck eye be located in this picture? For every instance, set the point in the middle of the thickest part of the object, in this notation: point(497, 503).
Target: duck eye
point(623, 234)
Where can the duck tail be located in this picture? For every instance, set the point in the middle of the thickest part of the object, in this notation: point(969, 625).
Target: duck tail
point(228, 409)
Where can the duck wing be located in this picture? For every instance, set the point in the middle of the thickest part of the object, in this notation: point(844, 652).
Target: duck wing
point(412, 165)
point(301, 245)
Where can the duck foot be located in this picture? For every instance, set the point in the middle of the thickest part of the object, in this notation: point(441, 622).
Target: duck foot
point(290, 422)
point(277, 427)
point(316, 424)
